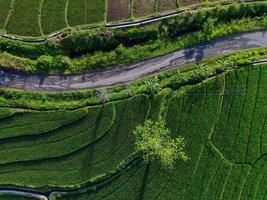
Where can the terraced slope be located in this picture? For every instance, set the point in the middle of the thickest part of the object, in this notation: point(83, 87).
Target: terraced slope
point(41, 17)
point(223, 121)
point(208, 116)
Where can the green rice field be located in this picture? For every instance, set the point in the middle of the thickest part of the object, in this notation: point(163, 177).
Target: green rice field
point(42, 17)
point(223, 121)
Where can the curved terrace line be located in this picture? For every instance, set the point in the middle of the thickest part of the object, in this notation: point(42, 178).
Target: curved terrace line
point(121, 24)
point(20, 80)
point(26, 193)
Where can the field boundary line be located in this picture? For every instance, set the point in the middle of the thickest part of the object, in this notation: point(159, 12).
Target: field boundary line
point(228, 113)
point(40, 17)
point(123, 24)
point(253, 114)
point(66, 11)
point(261, 137)
point(206, 190)
point(136, 193)
point(222, 93)
point(124, 182)
point(258, 181)
point(223, 157)
point(11, 9)
point(242, 108)
point(226, 181)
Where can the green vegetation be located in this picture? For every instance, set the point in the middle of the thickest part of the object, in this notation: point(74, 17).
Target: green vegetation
point(53, 16)
point(209, 116)
point(25, 23)
point(154, 141)
point(6, 112)
point(222, 120)
point(84, 51)
point(4, 8)
point(86, 12)
point(15, 197)
point(91, 142)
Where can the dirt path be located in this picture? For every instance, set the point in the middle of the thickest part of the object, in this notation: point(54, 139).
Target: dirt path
point(15, 79)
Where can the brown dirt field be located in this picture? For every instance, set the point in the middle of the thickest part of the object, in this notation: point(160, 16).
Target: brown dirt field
point(165, 5)
point(143, 7)
point(189, 2)
point(118, 10)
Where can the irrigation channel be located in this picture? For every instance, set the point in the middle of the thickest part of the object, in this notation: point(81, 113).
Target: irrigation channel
point(20, 80)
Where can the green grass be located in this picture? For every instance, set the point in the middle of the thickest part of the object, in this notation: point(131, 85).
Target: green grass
point(24, 18)
point(53, 15)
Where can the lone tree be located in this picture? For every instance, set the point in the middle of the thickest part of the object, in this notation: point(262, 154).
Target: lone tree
point(154, 141)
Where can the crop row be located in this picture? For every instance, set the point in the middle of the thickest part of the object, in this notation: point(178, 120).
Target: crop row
point(242, 120)
point(41, 17)
point(37, 17)
point(197, 113)
point(33, 123)
point(75, 153)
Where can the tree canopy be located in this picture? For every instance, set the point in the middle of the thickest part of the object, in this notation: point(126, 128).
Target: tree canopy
point(154, 140)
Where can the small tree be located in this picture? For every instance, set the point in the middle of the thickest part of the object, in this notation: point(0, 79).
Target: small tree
point(179, 78)
point(154, 141)
point(208, 27)
point(264, 21)
point(153, 85)
point(201, 71)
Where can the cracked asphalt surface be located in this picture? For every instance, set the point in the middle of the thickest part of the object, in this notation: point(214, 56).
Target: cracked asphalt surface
point(16, 79)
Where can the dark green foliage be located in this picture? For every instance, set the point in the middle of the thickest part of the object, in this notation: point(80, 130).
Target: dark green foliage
point(57, 64)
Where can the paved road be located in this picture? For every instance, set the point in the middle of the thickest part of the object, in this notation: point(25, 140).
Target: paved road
point(15, 79)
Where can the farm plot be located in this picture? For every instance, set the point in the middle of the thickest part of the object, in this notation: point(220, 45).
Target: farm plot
point(53, 15)
point(189, 2)
point(166, 5)
point(69, 158)
point(118, 10)
point(33, 123)
point(143, 8)
point(24, 18)
point(86, 11)
point(4, 9)
point(212, 172)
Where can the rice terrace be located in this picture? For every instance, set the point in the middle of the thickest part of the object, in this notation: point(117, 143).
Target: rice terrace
point(133, 100)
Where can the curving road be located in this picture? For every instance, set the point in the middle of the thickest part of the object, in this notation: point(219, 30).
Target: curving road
point(20, 80)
